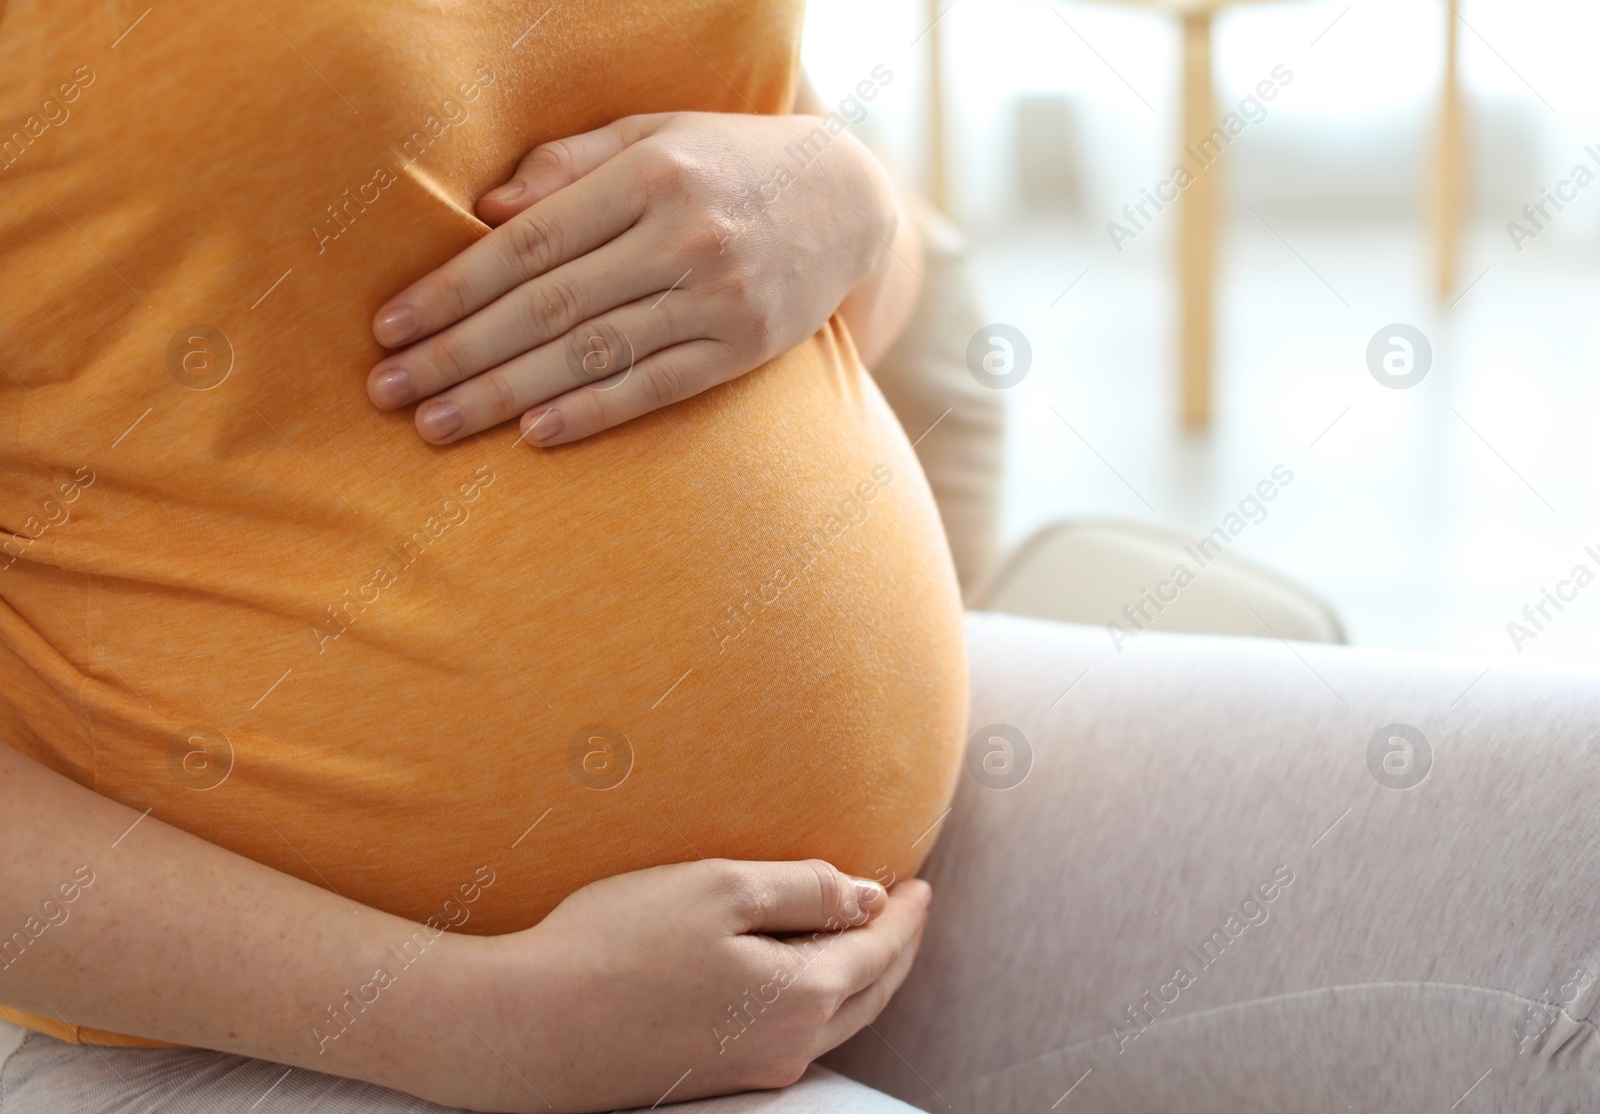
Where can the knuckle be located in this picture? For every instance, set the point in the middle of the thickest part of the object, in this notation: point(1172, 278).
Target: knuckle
point(503, 402)
point(534, 242)
point(785, 1059)
point(557, 155)
point(830, 887)
point(751, 898)
point(769, 1073)
point(456, 291)
point(764, 330)
point(788, 1071)
point(667, 171)
point(746, 319)
point(872, 1004)
point(602, 409)
point(715, 237)
point(597, 350)
point(760, 331)
point(553, 305)
point(663, 384)
point(668, 314)
point(831, 992)
point(733, 284)
point(451, 358)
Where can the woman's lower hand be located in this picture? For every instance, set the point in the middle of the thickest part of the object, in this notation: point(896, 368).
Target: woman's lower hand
point(634, 266)
point(684, 981)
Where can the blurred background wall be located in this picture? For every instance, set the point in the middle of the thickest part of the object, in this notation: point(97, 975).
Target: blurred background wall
point(1428, 517)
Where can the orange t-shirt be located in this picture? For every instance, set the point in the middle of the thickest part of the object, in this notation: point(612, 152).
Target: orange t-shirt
point(234, 594)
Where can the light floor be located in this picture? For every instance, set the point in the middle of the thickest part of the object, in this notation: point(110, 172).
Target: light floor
point(1428, 516)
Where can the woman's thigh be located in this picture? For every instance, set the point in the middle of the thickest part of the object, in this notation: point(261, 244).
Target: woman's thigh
point(1245, 875)
point(47, 1076)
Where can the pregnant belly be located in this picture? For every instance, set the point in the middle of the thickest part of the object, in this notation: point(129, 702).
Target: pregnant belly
point(728, 630)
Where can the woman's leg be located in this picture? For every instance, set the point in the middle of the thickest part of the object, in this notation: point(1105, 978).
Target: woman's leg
point(1222, 885)
point(47, 1076)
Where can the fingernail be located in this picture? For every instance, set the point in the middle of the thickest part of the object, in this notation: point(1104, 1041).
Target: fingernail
point(440, 421)
point(396, 327)
point(544, 427)
point(869, 893)
point(508, 192)
point(393, 388)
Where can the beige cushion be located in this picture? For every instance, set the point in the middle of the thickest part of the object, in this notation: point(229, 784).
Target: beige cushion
point(1089, 571)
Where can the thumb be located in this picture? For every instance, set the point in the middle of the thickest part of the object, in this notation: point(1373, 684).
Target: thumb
point(555, 165)
point(804, 896)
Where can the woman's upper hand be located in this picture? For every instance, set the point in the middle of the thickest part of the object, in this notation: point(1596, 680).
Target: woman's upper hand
point(702, 978)
point(634, 266)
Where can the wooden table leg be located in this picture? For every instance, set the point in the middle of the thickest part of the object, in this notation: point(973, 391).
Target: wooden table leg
point(1199, 216)
point(938, 170)
point(1449, 169)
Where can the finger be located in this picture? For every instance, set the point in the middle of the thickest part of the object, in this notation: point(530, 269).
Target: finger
point(654, 381)
point(863, 1007)
point(795, 896)
point(598, 351)
point(859, 957)
point(562, 227)
point(520, 321)
point(555, 165)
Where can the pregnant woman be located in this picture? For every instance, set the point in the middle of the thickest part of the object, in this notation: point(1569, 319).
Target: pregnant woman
point(474, 637)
